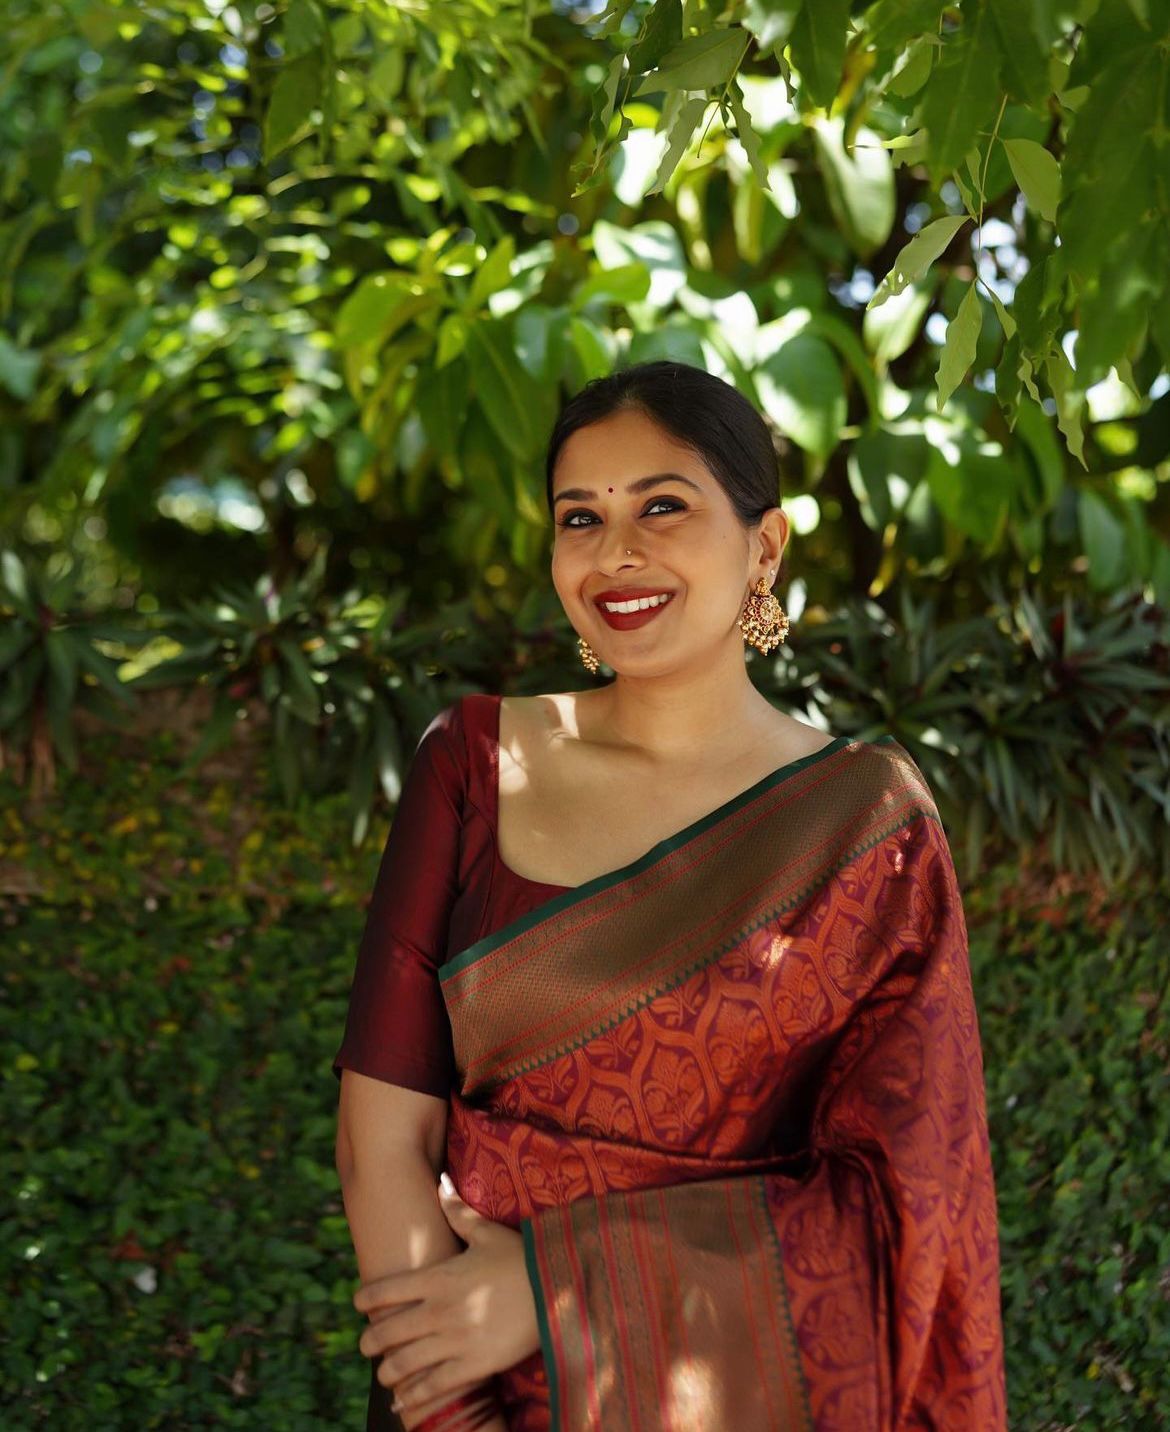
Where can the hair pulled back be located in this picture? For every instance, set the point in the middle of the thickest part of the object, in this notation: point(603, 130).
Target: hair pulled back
point(699, 410)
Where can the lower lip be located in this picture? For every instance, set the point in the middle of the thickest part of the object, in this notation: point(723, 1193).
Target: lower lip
point(627, 621)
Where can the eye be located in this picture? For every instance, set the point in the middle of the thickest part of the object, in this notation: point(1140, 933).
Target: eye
point(673, 506)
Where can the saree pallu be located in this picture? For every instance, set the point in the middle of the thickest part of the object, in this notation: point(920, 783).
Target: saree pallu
point(732, 1096)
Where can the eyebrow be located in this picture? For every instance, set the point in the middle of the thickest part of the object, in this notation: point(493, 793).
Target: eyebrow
point(582, 494)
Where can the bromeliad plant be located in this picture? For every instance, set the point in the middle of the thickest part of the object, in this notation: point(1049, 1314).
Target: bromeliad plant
point(343, 681)
point(51, 664)
point(1030, 722)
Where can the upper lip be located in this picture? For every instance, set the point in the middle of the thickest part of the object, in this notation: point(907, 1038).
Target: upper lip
point(629, 594)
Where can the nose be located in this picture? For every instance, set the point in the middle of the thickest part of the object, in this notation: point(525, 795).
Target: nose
point(619, 542)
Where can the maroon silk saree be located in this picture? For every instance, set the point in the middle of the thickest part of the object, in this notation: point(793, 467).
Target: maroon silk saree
point(732, 1095)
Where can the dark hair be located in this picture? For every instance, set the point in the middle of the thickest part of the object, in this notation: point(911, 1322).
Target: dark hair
point(698, 409)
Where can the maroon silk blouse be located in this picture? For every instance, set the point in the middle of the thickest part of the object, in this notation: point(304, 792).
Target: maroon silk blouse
point(440, 887)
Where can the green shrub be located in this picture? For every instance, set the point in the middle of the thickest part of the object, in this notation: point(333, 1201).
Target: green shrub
point(175, 1252)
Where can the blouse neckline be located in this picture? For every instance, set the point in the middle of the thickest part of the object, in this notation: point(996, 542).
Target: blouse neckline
point(670, 842)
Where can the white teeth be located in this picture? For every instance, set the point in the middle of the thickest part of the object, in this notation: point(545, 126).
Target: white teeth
point(639, 605)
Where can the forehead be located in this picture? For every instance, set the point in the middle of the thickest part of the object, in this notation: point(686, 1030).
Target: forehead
point(621, 447)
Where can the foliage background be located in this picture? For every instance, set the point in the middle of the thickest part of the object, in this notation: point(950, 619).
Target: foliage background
point(289, 295)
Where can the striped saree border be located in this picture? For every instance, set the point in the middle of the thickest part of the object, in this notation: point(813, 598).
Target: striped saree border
point(655, 1286)
point(584, 961)
point(453, 968)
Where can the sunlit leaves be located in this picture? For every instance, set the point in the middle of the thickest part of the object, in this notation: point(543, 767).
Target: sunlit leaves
point(818, 47)
point(295, 99)
point(704, 61)
point(519, 409)
point(1037, 173)
point(917, 256)
point(687, 119)
point(962, 94)
point(380, 305)
point(801, 390)
point(959, 350)
point(770, 21)
point(859, 184)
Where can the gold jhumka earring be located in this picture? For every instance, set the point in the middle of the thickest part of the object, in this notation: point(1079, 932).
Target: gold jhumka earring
point(763, 621)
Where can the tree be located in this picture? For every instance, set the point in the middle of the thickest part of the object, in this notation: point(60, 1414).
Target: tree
point(280, 276)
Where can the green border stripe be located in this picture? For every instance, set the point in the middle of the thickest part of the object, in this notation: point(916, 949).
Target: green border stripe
point(546, 1343)
point(457, 963)
point(796, 1361)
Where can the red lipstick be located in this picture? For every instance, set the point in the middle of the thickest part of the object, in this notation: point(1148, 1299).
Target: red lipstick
point(628, 621)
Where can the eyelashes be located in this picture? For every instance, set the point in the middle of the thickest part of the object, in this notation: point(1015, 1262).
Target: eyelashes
point(675, 506)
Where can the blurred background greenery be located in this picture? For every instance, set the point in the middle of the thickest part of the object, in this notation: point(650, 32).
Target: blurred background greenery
point(289, 297)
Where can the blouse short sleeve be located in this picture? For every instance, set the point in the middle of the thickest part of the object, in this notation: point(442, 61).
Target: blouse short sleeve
point(397, 1028)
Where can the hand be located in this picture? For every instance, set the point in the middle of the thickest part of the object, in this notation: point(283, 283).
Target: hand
point(453, 1322)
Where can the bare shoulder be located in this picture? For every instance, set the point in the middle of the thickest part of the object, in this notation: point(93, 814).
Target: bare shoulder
point(545, 715)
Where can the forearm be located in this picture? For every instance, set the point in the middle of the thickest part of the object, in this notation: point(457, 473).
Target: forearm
point(394, 1216)
point(396, 1224)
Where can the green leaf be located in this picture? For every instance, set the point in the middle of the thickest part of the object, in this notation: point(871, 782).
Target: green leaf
point(689, 116)
point(1110, 164)
point(1037, 173)
point(770, 21)
point(818, 48)
point(628, 283)
point(860, 185)
point(974, 494)
point(1024, 62)
point(801, 390)
point(380, 305)
point(605, 98)
point(1103, 540)
point(304, 27)
point(1007, 322)
point(679, 342)
point(295, 96)
point(18, 369)
point(663, 33)
point(612, 16)
point(891, 24)
point(1070, 403)
point(915, 68)
point(588, 355)
point(961, 95)
point(494, 273)
point(959, 349)
point(746, 134)
point(891, 329)
point(917, 256)
point(700, 62)
point(512, 402)
point(302, 692)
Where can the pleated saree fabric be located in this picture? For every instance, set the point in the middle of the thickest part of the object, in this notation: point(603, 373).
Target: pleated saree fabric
point(732, 1096)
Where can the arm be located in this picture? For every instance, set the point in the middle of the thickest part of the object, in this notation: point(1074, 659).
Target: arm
point(390, 1143)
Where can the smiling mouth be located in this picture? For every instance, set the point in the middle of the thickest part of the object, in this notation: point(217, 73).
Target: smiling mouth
point(638, 617)
point(633, 604)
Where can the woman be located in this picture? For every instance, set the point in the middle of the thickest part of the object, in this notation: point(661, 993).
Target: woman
point(689, 981)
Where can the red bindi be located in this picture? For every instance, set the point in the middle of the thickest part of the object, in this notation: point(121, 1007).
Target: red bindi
point(611, 489)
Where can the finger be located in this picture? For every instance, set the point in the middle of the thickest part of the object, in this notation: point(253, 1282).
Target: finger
point(392, 1290)
point(431, 1388)
point(461, 1216)
point(415, 1357)
point(392, 1329)
point(464, 1417)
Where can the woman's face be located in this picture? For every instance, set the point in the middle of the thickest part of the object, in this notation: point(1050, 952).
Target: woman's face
point(683, 534)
